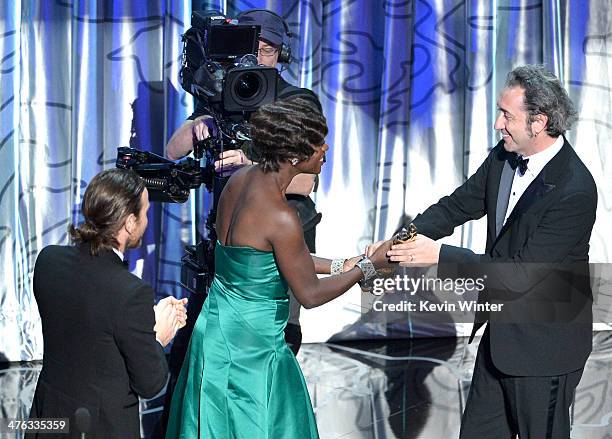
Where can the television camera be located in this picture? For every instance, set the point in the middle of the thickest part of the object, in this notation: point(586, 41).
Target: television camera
point(220, 68)
point(220, 65)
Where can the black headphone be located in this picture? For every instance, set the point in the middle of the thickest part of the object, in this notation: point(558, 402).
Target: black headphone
point(284, 53)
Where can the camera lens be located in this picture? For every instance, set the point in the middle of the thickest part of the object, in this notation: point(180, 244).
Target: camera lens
point(248, 88)
point(247, 85)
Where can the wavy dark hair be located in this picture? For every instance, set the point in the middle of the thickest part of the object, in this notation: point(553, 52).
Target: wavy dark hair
point(284, 130)
point(109, 199)
point(544, 94)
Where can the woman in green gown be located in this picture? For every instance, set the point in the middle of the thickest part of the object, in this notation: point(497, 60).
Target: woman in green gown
point(239, 378)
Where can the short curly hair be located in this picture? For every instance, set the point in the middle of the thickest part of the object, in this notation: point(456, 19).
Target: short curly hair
point(284, 130)
point(544, 94)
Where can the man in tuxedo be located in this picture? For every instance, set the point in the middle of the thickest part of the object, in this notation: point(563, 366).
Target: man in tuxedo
point(103, 339)
point(540, 201)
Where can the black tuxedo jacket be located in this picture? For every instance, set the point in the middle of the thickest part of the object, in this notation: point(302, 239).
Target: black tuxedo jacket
point(100, 350)
point(545, 326)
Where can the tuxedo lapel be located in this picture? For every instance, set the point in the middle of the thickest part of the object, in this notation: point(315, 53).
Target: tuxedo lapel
point(497, 190)
point(503, 196)
point(545, 182)
point(534, 192)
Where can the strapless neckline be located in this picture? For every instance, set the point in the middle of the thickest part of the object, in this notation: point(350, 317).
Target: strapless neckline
point(243, 247)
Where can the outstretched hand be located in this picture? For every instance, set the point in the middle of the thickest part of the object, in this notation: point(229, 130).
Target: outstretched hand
point(379, 256)
point(422, 251)
point(350, 263)
point(371, 248)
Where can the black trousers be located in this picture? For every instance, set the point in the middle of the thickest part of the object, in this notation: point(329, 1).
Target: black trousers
point(501, 406)
point(293, 337)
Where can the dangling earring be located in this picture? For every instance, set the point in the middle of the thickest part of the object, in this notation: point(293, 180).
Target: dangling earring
point(294, 161)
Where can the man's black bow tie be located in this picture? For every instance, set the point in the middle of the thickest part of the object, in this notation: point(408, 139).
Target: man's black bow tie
point(518, 161)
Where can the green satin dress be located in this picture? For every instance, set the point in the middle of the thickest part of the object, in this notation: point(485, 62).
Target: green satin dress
point(239, 378)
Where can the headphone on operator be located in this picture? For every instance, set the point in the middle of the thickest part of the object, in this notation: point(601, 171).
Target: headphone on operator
point(284, 52)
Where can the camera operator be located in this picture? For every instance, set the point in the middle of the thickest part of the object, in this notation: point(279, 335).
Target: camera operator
point(200, 125)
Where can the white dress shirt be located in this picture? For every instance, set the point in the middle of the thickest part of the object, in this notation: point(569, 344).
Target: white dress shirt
point(536, 163)
point(118, 253)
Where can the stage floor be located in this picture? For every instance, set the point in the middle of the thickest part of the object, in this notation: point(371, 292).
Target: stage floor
point(382, 389)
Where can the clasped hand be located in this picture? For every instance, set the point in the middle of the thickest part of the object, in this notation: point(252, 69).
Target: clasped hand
point(170, 316)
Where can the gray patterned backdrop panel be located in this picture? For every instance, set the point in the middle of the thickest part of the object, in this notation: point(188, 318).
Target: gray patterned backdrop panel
point(408, 87)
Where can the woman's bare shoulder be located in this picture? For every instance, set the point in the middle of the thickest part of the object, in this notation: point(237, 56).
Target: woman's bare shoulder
point(282, 217)
point(238, 178)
